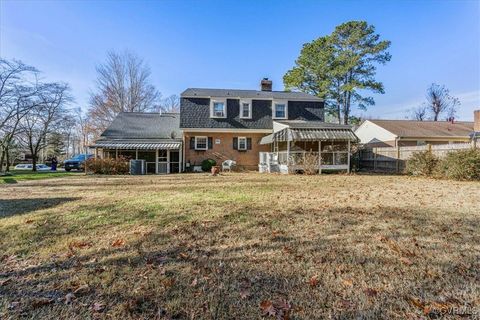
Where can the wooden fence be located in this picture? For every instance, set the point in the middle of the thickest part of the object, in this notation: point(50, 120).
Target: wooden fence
point(393, 159)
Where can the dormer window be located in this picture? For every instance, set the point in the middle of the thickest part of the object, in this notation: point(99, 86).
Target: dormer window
point(280, 109)
point(218, 108)
point(245, 109)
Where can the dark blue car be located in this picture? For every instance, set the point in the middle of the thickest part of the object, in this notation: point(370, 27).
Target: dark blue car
point(76, 162)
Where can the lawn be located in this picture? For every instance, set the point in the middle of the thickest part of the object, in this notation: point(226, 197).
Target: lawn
point(15, 176)
point(239, 246)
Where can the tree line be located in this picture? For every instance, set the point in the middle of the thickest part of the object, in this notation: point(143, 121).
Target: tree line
point(341, 68)
point(41, 118)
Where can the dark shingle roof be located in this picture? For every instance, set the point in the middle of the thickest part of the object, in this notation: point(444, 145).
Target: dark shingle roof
point(411, 128)
point(247, 94)
point(140, 125)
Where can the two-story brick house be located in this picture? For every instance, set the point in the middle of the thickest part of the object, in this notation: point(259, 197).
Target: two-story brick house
point(259, 129)
point(229, 124)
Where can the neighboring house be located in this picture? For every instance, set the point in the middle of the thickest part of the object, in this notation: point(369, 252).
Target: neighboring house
point(259, 129)
point(153, 137)
point(393, 133)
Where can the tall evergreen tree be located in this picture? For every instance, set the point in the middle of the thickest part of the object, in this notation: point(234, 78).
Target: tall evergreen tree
point(341, 67)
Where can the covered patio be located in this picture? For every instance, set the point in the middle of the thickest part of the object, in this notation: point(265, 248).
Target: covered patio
point(153, 137)
point(298, 146)
point(160, 157)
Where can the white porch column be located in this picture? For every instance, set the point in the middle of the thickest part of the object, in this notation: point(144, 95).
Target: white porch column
point(156, 161)
point(116, 153)
point(288, 152)
point(96, 153)
point(348, 161)
point(136, 154)
point(180, 159)
point(319, 157)
point(168, 161)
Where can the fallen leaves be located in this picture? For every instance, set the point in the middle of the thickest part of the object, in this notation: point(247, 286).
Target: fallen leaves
point(267, 308)
point(347, 282)
point(280, 309)
point(69, 298)
point(313, 281)
point(406, 261)
point(394, 246)
point(244, 293)
point(40, 302)
point(79, 245)
point(97, 307)
point(370, 292)
point(118, 243)
point(4, 282)
point(81, 289)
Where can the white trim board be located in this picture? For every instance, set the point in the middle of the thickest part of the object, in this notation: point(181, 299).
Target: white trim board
point(186, 130)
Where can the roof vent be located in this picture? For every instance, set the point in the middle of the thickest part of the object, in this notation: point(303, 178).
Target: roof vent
point(266, 85)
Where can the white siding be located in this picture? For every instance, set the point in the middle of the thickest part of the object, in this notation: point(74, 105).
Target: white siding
point(370, 132)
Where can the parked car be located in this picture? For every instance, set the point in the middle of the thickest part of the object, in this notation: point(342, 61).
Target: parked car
point(76, 162)
point(29, 166)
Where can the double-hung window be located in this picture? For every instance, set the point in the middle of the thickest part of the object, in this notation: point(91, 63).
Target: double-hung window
point(280, 109)
point(201, 143)
point(218, 108)
point(245, 109)
point(242, 143)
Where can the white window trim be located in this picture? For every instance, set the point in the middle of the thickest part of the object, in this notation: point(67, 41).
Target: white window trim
point(275, 102)
point(218, 100)
point(242, 101)
point(206, 142)
point(238, 144)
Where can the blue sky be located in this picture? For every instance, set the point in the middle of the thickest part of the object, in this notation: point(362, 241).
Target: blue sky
point(233, 44)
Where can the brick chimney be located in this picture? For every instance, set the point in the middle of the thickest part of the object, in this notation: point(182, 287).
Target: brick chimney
point(476, 119)
point(266, 85)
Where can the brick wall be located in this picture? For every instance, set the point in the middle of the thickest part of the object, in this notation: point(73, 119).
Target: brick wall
point(224, 149)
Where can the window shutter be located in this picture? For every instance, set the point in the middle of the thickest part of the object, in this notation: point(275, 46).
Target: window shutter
point(235, 143)
point(192, 142)
point(210, 143)
point(249, 143)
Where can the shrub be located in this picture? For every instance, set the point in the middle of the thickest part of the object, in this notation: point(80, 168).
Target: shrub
point(207, 164)
point(460, 165)
point(309, 163)
point(421, 164)
point(108, 166)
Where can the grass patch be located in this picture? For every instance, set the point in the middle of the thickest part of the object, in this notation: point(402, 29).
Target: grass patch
point(239, 246)
point(16, 176)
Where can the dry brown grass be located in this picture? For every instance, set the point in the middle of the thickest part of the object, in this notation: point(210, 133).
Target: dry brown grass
point(239, 246)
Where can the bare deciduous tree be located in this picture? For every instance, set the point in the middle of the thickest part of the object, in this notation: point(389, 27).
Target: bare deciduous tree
point(17, 86)
point(169, 104)
point(123, 85)
point(420, 113)
point(47, 116)
point(439, 101)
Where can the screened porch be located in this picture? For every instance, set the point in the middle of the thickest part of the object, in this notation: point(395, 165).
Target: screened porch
point(324, 147)
point(160, 157)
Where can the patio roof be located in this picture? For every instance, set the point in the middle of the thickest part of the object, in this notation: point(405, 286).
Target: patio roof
point(310, 134)
point(149, 145)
